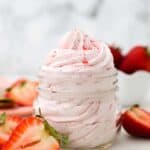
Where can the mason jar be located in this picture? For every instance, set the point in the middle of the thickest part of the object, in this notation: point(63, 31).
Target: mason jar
point(82, 106)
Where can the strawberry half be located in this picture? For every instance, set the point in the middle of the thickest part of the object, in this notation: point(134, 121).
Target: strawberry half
point(22, 92)
point(117, 55)
point(7, 125)
point(34, 133)
point(138, 58)
point(136, 122)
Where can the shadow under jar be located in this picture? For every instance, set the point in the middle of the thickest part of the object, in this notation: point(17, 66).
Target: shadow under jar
point(81, 105)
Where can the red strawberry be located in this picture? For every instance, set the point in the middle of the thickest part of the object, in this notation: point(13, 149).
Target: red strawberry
point(117, 55)
point(34, 133)
point(138, 58)
point(7, 125)
point(23, 92)
point(136, 122)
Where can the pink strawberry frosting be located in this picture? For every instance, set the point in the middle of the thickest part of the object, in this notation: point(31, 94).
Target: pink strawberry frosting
point(77, 90)
point(81, 53)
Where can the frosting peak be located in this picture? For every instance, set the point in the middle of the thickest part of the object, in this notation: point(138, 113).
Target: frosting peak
point(78, 40)
point(78, 52)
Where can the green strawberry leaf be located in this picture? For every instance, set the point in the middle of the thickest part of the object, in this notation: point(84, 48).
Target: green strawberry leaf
point(2, 118)
point(62, 139)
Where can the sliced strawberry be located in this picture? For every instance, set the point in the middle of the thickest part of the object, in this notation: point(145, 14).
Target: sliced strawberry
point(34, 133)
point(136, 122)
point(7, 125)
point(22, 92)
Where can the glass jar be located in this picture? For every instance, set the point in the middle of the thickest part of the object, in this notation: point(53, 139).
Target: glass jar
point(81, 105)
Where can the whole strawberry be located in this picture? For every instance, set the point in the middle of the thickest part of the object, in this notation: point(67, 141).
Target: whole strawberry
point(138, 58)
point(117, 55)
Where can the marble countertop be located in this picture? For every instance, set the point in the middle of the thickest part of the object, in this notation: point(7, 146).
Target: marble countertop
point(126, 142)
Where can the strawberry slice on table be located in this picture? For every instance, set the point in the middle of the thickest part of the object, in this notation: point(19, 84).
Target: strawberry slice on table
point(117, 55)
point(136, 122)
point(7, 125)
point(34, 133)
point(22, 92)
point(138, 58)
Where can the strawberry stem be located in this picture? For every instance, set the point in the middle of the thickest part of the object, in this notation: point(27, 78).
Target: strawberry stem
point(40, 113)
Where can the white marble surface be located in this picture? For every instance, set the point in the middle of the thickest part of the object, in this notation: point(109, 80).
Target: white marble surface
point(31, 28)
point(126, 142)
point(134, 89)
